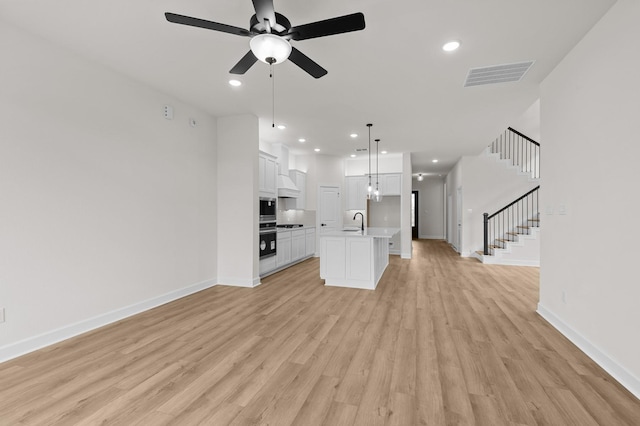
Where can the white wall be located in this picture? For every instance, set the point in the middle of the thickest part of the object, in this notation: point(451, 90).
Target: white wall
point(388, 163)
point(589, 109)
point(430, 207)
point(385, 214)
point(453, 182)
point(405, 208)
point(238, 200)
point(529, 122)
point(107, 208)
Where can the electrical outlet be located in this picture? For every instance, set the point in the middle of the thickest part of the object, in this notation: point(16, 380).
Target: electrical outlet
point(1, 315)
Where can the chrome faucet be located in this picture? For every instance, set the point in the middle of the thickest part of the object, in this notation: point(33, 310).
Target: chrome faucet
point(361, 222)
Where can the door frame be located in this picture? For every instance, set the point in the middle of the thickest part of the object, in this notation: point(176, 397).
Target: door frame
point(416, 215)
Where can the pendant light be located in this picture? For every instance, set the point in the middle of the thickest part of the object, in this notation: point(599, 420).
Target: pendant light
point(369, 188)
point(377, 195)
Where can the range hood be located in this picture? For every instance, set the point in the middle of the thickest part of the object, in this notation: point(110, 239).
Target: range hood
point(286, 187)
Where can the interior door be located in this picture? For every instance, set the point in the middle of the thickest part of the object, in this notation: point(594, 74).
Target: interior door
point(329, 203)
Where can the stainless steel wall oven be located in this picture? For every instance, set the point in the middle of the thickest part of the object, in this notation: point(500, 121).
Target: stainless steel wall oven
point(267, 210)
point(267, 239)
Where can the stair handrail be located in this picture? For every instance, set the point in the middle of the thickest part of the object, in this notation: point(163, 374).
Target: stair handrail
point(523, 136)
point(487, 217)
point(520, 149)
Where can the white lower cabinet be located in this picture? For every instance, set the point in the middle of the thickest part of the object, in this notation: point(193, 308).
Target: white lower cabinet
point(298, 245)
point(310, 242)
point(291, 247)
point(283, 248)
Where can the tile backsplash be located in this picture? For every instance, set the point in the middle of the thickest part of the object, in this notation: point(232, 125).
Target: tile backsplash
point(305, 217)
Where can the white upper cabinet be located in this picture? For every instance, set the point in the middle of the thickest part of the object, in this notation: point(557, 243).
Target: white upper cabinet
point(391, 184)
point(356, 192)
point(268, 172)
point(300, 180)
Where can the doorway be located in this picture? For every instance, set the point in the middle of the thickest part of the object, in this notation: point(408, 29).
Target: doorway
point(415, 210)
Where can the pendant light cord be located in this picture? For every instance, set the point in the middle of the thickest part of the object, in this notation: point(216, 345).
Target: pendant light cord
point(369, 126)
point(377, 166)
point(273, 95)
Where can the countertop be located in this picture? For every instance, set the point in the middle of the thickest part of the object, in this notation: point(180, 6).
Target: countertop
point(368, 232)
point(295, 229)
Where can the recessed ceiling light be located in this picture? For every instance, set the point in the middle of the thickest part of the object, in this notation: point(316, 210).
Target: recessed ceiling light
point(434, 160)
point(451, 46)
point(317, 150)
point(235, 83)
point(281, 126)
point(354, 135)
point(353, 156)
point(302, 140)
point(383, 152)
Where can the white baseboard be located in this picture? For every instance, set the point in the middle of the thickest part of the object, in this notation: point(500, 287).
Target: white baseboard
point(491, 260)
point(431, 237)
point(34, 343)
point(621, 374)
point(240, 282)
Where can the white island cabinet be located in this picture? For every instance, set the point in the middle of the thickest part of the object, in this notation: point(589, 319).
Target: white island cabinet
point(355, 259)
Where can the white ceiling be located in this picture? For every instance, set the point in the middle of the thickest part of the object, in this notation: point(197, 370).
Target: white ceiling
point(393, 74)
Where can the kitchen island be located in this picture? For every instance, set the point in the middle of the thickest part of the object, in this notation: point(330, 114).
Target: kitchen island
point(355, 258)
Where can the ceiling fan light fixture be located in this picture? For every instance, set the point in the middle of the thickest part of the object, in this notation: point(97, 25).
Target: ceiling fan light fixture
point(270, 48)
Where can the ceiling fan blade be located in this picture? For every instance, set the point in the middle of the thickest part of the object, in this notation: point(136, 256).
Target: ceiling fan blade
point(304, 62)
point(209, 25)
point(264, 10)
point(244, 64)
point(339, 25)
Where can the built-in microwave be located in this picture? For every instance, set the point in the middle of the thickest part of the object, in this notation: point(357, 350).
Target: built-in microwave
point(267, 209)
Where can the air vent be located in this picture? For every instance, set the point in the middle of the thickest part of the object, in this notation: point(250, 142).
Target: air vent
point(361, 149)
point(497, 74)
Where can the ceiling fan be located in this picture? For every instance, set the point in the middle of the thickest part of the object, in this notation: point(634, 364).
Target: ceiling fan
point(271, 32)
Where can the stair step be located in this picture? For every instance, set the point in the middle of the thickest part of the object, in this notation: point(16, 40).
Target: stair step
point(503, 240)
point(534, 220)
point(495, 247)
point(523, 227)
point(513, 233)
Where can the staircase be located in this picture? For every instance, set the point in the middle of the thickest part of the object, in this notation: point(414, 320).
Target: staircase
point(512, 234)
point(518, 152)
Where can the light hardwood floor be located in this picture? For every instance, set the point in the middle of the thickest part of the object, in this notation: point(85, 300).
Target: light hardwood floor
point(443, 340)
